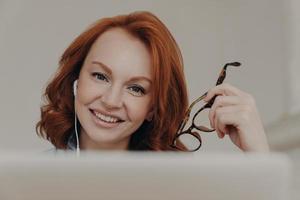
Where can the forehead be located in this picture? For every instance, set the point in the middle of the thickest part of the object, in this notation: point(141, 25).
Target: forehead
point(122, 52)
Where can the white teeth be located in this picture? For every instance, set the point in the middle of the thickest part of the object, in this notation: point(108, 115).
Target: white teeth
point(106, 118)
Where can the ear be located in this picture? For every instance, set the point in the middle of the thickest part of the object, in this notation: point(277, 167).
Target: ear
point(150, 116)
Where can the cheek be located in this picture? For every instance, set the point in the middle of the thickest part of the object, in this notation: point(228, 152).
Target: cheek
point(87, 93)
point(138, 109)
point(85, 96)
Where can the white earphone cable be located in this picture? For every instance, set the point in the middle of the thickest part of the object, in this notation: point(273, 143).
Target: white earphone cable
point(76, 133)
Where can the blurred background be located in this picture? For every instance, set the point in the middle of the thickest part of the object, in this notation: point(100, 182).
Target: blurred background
point(262, 34)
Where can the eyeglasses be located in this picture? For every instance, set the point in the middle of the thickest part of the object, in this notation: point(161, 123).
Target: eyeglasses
point(193, 135)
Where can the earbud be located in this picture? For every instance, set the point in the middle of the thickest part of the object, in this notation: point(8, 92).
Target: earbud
point(75, 87)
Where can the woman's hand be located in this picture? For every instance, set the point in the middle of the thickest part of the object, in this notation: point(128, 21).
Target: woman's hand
point(234, 113)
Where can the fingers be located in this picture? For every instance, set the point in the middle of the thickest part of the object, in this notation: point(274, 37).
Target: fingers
point(228, 95)
point(234, 113)
point(237, 122)
point(224, 89)
point(225, 117)
point(222, 101)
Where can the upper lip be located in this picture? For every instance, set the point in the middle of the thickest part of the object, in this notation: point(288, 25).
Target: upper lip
point(107, 114)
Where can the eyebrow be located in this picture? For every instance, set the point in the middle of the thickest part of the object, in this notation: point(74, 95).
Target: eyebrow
point(108, 70)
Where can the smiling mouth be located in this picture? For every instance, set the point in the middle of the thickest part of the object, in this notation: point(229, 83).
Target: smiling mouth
point(106, 118)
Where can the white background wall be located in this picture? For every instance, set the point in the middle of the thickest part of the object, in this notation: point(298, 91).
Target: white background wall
point(292, 52)
point(33, 35)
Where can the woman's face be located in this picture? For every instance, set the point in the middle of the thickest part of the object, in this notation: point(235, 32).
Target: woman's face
point(114, 90)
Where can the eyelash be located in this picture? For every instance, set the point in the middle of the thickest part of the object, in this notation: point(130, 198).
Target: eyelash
point(138, 90)
point(100, 76)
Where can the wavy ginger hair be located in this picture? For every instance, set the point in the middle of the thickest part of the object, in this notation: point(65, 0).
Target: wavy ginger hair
point(169, 98)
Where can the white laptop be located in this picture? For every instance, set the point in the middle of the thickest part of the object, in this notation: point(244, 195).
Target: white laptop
point(137, 176)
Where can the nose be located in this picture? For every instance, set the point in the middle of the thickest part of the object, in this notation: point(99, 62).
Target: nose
point(112, 97)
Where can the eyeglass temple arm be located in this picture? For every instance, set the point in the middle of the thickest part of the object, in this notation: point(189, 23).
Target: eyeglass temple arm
point(188, 112)
point(219, 81)
point(222, 75)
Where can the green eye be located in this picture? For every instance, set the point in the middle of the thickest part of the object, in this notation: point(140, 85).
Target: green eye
point(100, 76)
point(137, 90)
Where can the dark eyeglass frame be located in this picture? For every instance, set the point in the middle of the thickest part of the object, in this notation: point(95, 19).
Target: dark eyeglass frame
point(208, 105)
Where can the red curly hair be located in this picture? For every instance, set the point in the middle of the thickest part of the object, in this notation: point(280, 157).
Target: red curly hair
point(169, 87)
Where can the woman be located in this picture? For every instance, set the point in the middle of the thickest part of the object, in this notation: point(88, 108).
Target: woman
point(120, 85)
